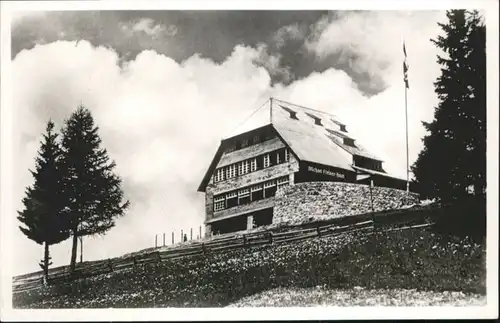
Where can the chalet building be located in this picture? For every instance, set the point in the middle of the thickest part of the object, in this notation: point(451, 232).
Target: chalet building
point(296, 144)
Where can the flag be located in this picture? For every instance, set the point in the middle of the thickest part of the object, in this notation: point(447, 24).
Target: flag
point(405, 68)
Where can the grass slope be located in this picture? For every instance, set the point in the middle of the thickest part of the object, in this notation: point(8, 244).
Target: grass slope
point(319, 296)
point(410, 259)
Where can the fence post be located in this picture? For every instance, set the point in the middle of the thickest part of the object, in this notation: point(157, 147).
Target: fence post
point(135, 260)
point(110, 265)
point(173, 238)
point(271, 237)
point(164, 239)
point(371, 203)
point(191, 234)
point(182, 235)
point(81, 249)
point(156, 242)
point(203, 247)
point(244, 240)
point(200, 231)
point(318, 230)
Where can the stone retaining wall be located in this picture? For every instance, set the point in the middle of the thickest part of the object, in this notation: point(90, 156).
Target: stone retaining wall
point(325, 200)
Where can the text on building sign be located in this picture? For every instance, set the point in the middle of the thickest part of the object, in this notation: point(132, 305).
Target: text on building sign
point(325, 172)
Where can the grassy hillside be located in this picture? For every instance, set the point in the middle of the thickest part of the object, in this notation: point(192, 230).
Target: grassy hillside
point(410, 259)
point(358, 296)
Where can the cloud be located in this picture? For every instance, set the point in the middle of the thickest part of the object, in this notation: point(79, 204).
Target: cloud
point(370, 42)
point(149, 27)
point(162, 120)
point(272, 62)
point(289, 32)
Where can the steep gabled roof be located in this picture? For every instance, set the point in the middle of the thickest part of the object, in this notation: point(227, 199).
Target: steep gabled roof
point(312, 135)
point(315, 141)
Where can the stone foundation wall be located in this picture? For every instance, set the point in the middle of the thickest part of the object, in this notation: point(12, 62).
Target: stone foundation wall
point(325, 200)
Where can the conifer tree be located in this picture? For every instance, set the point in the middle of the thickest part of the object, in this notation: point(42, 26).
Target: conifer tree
point(93, 192)
point(42, 217)
point(452, 165)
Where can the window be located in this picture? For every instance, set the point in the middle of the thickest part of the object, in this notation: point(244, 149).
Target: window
point(317, 120)
point(269, 184)
point(232, 171)
point(244, 143)
point(281, 156)
point(260, 162)
point(219, 175)
point(231, 199)
point(257, 192)
point(243, 196)
point(267, 160)
point(219, 203)
point(368, 163)
point(346, 140)
point(282, 181)
point(245, 166)
point(256, 139)
point(253, 165)
point(243, 191)
point(256, 188)
point(349, 142)
point(269, 189)
point(293, 114)
point(340, 124)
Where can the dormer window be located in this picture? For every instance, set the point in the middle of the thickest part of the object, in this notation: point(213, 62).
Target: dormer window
point(349, 142)
point(317, 121)
point(293, 114)
point(368, 163)
point(340, 124)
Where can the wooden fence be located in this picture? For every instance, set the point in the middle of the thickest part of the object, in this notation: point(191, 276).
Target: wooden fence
point(385, 221)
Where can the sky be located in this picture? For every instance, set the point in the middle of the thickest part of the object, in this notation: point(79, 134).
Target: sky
point(165, 87)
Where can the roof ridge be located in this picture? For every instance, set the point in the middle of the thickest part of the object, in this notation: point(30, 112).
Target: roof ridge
point(304, 107)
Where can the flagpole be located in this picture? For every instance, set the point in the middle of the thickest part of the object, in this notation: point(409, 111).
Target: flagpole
point(405, 76)
point(407, 154)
